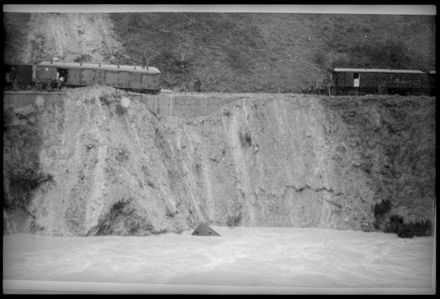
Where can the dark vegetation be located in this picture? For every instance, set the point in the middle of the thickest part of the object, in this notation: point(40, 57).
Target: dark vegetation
point(123, 219)
point(15, 29)
point(22, 182)
point(21, 165)
point(83, 58)
point(396, 224)
point(122, 155)
point(105, 100)
point(404, 175)
point(120, 110)
point(234, 220)
point(245, 139)
point(381, 209)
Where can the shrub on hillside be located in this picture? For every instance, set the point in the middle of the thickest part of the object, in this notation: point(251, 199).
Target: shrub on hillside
point(235, 216)
point(395, 224)
point(120, 109)
point(83, 58)
point(380, 209)
point(245, 139)
point(21, 184)
point(233, 220)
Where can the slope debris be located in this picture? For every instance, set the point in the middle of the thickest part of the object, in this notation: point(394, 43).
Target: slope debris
point(80, 37)
point(89, 165)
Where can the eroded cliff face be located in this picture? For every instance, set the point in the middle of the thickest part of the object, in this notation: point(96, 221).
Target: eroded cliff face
point(102, 163)
point(69, 37)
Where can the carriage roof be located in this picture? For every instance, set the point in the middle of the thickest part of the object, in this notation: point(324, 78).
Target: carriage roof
point(360, 70)
point(109, 67)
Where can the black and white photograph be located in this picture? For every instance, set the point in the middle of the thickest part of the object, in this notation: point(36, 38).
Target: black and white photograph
point(219, 149)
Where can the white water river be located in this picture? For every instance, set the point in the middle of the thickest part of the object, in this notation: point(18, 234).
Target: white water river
point(295, 258)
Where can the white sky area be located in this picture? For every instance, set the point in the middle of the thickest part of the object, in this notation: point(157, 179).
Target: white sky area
point(328, 9)
point(268, 260)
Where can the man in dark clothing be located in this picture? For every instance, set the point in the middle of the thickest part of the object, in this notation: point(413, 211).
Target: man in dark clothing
point(198, 85)
point(14, 79)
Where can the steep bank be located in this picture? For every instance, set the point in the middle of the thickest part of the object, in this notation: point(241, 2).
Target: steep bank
point(100, 162)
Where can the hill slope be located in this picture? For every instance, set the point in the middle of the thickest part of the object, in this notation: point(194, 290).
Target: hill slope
point(235, 52)
point(68, 36)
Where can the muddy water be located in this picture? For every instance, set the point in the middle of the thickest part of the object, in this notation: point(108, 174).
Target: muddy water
point(266, 257)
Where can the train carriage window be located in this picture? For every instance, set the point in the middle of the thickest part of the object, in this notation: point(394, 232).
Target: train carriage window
point(356, 79)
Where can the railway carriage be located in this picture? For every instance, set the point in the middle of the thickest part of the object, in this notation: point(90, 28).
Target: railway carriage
point(48, 75)
point(133, 78)
point(348, 81)
point(432, 77)
point(19, 76)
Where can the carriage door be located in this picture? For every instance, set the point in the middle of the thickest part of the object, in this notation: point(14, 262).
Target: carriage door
point(75, 76)
point(356, 79)
point(63, 75)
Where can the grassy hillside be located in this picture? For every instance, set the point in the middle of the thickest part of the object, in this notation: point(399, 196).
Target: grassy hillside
point(272, 52)
point(244, 52)
point(15, 30)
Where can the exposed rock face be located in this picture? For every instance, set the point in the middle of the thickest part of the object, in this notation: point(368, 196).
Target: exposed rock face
point(393, 139)
point(70, 36)
point(264, 160)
